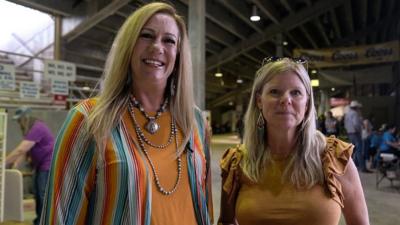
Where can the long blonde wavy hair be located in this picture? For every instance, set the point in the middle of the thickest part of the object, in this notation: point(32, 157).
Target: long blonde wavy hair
point(117, 86)
point(305, 167)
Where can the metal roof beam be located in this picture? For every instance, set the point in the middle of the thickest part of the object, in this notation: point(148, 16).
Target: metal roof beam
point(86, 25)
point(256, 39)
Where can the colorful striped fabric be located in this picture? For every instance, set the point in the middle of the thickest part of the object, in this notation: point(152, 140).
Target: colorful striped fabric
point(86, 187)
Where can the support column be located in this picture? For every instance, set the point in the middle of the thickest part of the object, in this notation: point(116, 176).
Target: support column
point(197, 40)
point(279, 46)
point(57, 37)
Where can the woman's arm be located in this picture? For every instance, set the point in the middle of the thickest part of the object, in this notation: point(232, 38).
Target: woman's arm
point(230, 185)
point(72, 174)
point(19, 151)
point(355, 209)
point(227, 209)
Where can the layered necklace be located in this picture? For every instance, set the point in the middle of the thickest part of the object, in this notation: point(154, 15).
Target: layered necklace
point(142, 140)
point(151, 126)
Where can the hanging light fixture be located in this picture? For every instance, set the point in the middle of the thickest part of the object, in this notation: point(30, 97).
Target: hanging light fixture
point(314, 82)
point(254, 16)
point(239, 80)
point(218, 73)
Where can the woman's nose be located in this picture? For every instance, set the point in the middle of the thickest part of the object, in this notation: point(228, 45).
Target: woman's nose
point(285, 99)
point(156, 46)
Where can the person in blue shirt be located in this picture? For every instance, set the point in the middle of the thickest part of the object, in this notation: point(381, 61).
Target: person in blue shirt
point(376, 141)
point(389, 143)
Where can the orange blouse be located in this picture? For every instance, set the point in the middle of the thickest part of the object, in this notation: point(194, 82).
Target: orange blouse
point(176, 208)
point(273, 201)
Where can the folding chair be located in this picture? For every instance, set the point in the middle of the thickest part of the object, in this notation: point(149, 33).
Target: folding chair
point(387, 168)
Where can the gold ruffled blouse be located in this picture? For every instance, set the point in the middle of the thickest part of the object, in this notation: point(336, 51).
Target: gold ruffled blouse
point(274, 202)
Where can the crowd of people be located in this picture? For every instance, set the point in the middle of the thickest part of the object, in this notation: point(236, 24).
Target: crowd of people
point(139, 152)
point(369, 140)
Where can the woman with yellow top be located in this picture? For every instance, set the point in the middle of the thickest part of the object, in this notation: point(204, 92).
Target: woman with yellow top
point(287, 172)
point(138, 153)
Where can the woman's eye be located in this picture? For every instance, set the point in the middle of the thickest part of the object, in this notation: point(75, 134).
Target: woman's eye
point(296, 93)
point(274, 92)
point(170, 41)
point(146, 35)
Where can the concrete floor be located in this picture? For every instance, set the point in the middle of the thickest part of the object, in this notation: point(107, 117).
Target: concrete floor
point(383, 203)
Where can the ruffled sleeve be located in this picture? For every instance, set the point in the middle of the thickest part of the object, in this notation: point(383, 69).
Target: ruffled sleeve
point(230, 170)
point(335, 160)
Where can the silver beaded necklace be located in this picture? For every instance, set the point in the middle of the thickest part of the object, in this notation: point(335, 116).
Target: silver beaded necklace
point(179, 160)
point(152, 126)
point(147, 141)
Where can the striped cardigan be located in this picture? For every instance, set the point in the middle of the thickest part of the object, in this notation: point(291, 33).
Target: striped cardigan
point(86, 187)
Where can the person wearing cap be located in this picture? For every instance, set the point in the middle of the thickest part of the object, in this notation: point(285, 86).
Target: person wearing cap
point(38, 144)
point(353, 124)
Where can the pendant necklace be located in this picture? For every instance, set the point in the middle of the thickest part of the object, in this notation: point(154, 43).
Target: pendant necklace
point(157, 182)
point(151, 126)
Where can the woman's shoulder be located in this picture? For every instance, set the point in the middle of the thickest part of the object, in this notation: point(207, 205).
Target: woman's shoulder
point(230, 169)
point(85, 106)
point(335, 160)
point(231, 158)
point(337, 154)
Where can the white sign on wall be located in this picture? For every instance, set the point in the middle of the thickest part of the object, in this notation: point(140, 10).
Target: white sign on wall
point(59, 87)
point(29, 90)
point(7, 77)
point(59, 70)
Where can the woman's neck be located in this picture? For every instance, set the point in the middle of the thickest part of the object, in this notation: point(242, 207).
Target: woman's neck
point(150, 99)
point(281, 143)
point(149, 94)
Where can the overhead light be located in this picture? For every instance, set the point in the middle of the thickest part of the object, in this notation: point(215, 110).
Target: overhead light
point(313, 71)
point(285, 43)
point(230, 103)
point(239, 80)
point(86, 88)
point(254, 16)
point(315, 83)
point(333, 89)
point(218, 73)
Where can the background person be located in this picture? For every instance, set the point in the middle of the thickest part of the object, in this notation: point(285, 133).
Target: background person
point(287, 172)
point(139, 152)
point(353, 125)
point(376, 140)
point(389, 143)
point(38, 143)
point(331, 125)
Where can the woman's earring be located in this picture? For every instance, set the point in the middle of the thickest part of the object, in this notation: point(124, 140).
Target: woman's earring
point(260, 121)
point(172, 87)
point(261, 125)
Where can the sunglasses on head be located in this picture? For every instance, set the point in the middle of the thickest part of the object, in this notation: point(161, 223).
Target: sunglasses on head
point(271, 59)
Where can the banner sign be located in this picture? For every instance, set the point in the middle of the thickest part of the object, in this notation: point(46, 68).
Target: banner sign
point(59, 87)
point(59, 70)
point(357, 55)
point(60, 100)
point(7, 77)
point(29, 90)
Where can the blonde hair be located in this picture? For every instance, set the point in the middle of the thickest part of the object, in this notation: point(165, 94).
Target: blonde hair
point(113, 99)
point(304, 168)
